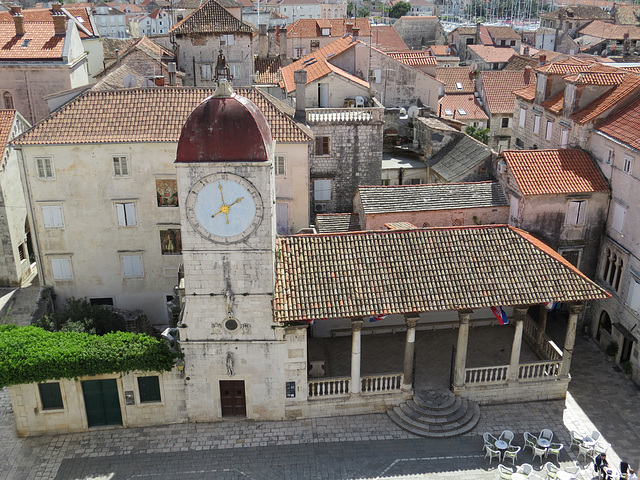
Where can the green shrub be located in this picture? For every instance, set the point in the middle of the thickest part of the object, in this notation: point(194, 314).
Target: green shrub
point(627, 368)
point(78, 315)
point(612, 349)
point(32, 354)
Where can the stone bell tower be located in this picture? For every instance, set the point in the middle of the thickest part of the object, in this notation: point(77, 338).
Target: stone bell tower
point(225, 173)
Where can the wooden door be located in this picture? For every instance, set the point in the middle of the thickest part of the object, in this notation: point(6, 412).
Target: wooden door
point(101, 402)
point(232, 398)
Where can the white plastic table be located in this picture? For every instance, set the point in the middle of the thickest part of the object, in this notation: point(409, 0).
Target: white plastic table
point(543, 442)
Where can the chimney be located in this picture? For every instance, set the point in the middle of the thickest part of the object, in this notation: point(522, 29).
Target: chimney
point(349, 27)
point(117, 56)
point(171, 68)
point(478, 42)
point(159, 81)
point(300, 78)
point(355, 31)
point(18, 19)
point(262, 41)
point(526, 51)
point(271, 49)
point(542, 59)
point(60, 24)
point(56, 7)
point(527, 74)
point(283, 43)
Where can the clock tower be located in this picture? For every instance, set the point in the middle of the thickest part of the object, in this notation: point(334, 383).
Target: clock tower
point(233, 355)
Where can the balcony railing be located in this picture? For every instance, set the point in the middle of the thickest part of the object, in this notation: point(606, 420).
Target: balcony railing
point(339, 386)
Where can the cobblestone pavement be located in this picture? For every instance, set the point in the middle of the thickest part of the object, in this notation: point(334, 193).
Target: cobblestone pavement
point(366, 446)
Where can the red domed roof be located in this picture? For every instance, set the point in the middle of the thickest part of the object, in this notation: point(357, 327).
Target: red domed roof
point(225, 129)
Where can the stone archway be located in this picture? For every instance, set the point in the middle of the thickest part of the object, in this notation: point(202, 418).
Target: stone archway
point(604, 324)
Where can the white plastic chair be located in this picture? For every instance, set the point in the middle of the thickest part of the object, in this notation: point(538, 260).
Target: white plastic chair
point(359, 101)
point(512, 453)
point(576, 439)
point(530, 441)
point(525, 469)
point(538, 452)
point(507, 436)
point(554, 449)
point(492, 453)
point(600, 448)
point(488, 440)
point(551, 470)
point(586, 450)
point(595, 435)
point(505, 472)
point(546, 434)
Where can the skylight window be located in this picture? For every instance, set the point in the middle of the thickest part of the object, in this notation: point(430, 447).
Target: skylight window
point(26, 42)
point(459, 85)
point(461, 111)
point(448, 112)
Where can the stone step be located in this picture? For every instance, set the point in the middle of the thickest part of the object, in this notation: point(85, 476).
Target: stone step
point(436, 415)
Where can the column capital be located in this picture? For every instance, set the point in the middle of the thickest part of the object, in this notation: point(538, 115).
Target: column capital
point(411, 322)
point(520, 312)
point(356, 325)
point(464, 315)
point(576, 308)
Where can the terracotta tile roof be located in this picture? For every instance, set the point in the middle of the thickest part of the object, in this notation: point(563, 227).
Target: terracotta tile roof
point(459, 157)
point(38, 43)
point(145, 115)
point(627, 14)
point(520, 62)
point(624, 125)
point(565, 66)
point(188, 4)
point(452, 76)
point(429, 197)
point(387, 39)
point(576, 12)
point(596, 78)
point(267, 71)
point(337, 223)
point(312, 28)
point(441, 50)
point(6, 123)
point(485, 37)
point(317, 65)
point(400, 226)
point(44, 15)
point(558, 171)
point(455, 103)
point(502, 33)
point(492, 54)
point(423, 270)
point(465, 30)
point(110, 45)
point(604, 30)
point(614, 98)
point(211, 17)
point(554, 103)
point(527, 93)
point(499, 86)
point(414, 59)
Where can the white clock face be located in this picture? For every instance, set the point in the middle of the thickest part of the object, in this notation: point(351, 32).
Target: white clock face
point(224, 207)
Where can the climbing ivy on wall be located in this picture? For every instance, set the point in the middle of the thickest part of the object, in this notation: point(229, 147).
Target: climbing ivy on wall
point(31, 354)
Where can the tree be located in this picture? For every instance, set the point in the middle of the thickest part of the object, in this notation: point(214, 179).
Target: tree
point(481, 134)
point(399, 9)
point(363, 11)
point(78, 315)
point(350, 8)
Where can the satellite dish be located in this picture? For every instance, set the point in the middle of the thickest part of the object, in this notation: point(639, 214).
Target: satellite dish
point(413, 111)
point(129, 81)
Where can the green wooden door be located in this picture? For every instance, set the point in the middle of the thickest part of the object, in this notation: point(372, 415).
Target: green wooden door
point(101, 402)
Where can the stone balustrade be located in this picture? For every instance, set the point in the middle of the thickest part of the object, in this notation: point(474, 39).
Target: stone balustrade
point(329, 387)
point(493, 374)
point(539, 370)
point(339, 386)
point(381, 383)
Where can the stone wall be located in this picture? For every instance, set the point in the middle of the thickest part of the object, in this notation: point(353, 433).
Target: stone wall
point(517, 391)
point(442, 218)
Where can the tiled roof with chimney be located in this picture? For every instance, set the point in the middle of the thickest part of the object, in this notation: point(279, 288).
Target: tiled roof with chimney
point(628, 89)
point(437, 196)
point(566, 66)
point(456, 79)
point(110, 45)
point(576, 12)
point(387, 39)
point(338, 27)
point(556, 171)
point(317, 65)
point(155, 52)
point(420, 270)
point(527, 93)
point(624, 126)
point(77, 13)
point(463, 107)
point(492, 54)
point(337, 222)
point(211, 17)
point(520, 62)
point(268, 71)
point(554, 103)
point(146, 115)
point(459, 157)
point(465, 30)
point(608, 31)
point(39, 42)
point(499, 86)
point(414, 59)
point(502, 33)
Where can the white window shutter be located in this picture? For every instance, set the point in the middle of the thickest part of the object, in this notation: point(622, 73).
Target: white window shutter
point(618, 217)
point(130, 211)
point(573, 212)
point(633, 300)
point(122, 220)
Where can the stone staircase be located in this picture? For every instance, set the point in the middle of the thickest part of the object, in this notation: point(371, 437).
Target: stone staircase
point(436, 414)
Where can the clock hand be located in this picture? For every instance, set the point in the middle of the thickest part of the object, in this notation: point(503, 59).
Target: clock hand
point(220, 188)
point(237, 201)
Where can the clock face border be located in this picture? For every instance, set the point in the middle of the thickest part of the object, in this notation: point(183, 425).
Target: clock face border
point(200, 185)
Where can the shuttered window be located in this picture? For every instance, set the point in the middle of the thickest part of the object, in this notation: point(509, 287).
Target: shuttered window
point(50, 396)
point(149, 389)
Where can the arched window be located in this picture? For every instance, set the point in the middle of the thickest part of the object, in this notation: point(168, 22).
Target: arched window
point(604, 324)
point(8, 101)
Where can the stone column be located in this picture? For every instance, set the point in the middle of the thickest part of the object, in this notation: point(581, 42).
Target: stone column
point(542, 325)
point(570, 338)
point(461, 349)
point(409, 349)
point(356, 328)
point(519, 314)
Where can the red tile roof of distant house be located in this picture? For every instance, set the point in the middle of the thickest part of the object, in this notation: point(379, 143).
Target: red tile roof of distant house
point(456, 79)
point(557, 171)
point(211, 17)
point(441, 50)
point(39, 42)
point(502, 33)
point(493, 54)
point(608, 31)
point(527, 93)
point(338, 27)
point(387, 39)
point(554, 103)
point(499, 86)
point(565, 66)
point(414, 59)
point(6, 123)
point(627, 90)
point(624, 125)
point(77, 13)
point(461, 107)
